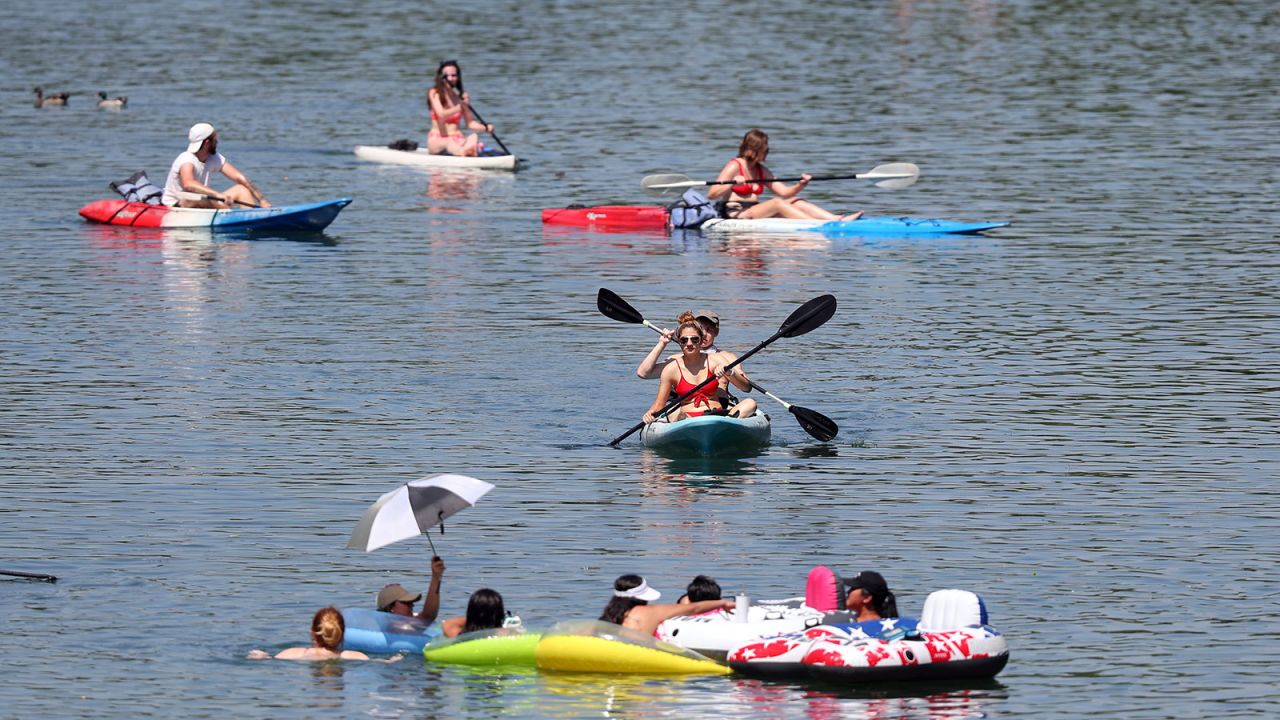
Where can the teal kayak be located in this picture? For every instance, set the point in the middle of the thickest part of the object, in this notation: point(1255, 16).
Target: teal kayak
point(708, 435)
point(851, 228)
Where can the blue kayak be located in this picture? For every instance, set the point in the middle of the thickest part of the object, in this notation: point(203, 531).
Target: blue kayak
point(708, 435)
point(862, 226)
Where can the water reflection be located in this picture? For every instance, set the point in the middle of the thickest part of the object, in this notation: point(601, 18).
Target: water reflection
point(822, 701)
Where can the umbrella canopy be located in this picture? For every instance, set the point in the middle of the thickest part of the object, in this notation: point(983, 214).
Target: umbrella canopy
point(412, 508)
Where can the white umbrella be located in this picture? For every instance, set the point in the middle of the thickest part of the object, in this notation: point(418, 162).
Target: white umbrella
point(412, 508)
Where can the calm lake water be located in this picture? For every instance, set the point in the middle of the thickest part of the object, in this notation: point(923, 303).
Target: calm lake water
point(1074, 416)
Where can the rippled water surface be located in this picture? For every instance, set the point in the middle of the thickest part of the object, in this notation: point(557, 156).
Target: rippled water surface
point(1074, 416)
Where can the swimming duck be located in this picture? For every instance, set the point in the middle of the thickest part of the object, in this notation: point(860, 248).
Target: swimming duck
point(114, 103)
point(56, 99)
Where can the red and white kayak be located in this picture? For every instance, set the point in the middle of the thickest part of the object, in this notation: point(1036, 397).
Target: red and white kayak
point(307, 216)
point(608, 217)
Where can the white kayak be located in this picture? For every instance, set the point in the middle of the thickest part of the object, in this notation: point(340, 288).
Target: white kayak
point(708, 435)
point(422, 158)
point(864, 225)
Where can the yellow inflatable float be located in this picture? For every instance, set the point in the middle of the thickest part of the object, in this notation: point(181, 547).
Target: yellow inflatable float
point(592, 646)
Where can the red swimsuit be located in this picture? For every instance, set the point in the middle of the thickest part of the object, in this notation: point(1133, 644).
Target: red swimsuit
point(749, 188)
point(704, 397)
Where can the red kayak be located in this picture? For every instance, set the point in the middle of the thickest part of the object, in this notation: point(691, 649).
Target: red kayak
point(609, 217)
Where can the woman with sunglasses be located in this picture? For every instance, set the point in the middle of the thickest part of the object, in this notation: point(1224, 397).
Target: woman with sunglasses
point(450, 112)
point(751, 178)
point(688, 371)
point(709, 322)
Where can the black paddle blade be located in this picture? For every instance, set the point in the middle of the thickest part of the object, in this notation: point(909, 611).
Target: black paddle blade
point(616, 308)
point(815, 423)
point(809, 316)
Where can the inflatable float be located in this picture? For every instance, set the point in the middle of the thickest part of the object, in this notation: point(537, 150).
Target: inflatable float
point(592, 646)
point(485, 648)
point(371, 631)
point(951, 641)
point(713, 634)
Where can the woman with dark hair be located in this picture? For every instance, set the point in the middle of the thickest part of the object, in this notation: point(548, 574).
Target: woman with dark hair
point(869, 597)
point(630, 606)
point(701, 588)
point(485, 611)
point(450, 112)
point(751, 177)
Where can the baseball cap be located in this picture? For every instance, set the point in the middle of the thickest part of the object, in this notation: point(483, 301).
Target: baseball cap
point(197, 134)
point(394, 592)
point(708, 315)
point(872, 582)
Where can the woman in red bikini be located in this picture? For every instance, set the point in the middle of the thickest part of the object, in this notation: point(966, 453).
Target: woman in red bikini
point(743, 199)
point(686, 372)
point(449, 107)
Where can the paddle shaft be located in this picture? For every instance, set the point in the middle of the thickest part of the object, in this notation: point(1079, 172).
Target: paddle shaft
point(754, 386)
point(29, 576)
point(494, 134)
point(785, 179)
point(202, 196)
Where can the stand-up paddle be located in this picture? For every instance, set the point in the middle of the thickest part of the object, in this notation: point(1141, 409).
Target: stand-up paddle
point(494, 134)
point(30, 576)
point(806, 318)
point(813, 422)
point(893, 176)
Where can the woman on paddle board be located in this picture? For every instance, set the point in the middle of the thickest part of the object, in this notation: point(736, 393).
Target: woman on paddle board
point(686, 372)
point(742, 199)
point(450, 112)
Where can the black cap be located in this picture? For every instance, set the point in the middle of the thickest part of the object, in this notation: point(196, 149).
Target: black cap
point(869, 580)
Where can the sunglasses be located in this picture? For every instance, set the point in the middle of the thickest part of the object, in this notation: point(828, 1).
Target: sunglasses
point(690, 340)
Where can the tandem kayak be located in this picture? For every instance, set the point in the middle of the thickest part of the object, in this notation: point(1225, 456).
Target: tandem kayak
point(708, 435)
point(308, 216)
point(608, 217)
point(422, 158)
point(852, 228)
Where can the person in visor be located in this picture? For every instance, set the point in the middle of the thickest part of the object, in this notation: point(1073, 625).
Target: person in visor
point(630, 606)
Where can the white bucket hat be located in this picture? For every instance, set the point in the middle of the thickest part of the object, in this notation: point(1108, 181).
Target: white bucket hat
point(639, 592)
point(197, 135)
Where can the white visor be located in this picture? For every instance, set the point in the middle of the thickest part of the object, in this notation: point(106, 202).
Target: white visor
point(639, 592)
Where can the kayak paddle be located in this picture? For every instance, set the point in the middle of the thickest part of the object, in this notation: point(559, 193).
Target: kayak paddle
point(30, 576)
point(201, 196)
point(494, 134)
point(806, 318)
point(813, 422)
point(893, 176)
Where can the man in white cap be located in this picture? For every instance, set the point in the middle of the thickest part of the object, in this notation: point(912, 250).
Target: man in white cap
point(192, 171)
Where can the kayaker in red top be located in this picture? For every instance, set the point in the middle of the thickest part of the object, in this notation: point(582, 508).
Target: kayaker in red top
point(650, 369)
point(689, 370)
point(450, 109)
point(193, 170)
point(743, 199)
